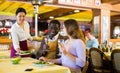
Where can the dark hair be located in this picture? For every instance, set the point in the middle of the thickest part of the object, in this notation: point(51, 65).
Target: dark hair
point(20, 10)
point(87, 30)
point(73, 29)
point(55, 22)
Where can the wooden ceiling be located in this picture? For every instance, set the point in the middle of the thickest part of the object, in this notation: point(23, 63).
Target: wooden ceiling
point(113, 2)
point(8, 7)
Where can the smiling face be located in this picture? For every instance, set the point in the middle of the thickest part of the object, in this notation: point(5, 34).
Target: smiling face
point(53, 30)
point(20, 17)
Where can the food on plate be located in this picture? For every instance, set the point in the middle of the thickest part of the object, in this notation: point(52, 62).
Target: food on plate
point(16, 60)
point(41, 62)
point(22, 52)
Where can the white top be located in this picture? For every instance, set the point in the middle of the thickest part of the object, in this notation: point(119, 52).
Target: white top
point(54, 38)
point(19, 34)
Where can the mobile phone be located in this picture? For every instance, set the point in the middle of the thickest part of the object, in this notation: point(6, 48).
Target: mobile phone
point(29, 69)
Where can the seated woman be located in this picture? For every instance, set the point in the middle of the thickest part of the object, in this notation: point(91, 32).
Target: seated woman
point(73, 50)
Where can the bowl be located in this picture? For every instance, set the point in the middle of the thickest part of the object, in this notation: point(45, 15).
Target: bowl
point(16, 60)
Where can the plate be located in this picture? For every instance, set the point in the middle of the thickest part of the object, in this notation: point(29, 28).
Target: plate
point(23, 53)
point(42, 63)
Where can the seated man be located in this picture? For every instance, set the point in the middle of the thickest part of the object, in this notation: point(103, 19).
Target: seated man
point(92, 41)
point(49, 44)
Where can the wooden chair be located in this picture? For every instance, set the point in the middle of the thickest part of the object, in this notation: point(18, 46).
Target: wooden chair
point(97, 58)
point(85, 67)
point(115, 57)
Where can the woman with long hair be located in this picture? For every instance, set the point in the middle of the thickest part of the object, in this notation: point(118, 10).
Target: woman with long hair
point(73, 50)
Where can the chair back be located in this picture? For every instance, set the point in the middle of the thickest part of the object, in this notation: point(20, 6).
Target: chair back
point(96, 57)
point(99, 62)
point(115, 57)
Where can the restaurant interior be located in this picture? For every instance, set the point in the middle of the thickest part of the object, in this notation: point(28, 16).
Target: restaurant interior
point(101, 16)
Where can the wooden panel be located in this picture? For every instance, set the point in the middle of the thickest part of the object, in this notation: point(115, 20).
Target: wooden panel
point(81, 16)
point(55, 13)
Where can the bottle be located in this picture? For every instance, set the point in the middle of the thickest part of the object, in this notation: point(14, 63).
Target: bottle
point(9, 36)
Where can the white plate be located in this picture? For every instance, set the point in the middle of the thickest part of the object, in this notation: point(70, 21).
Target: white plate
point(39, 65)
point(23, 53)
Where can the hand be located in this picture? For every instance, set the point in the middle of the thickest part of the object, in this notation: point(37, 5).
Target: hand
point(65, 52)
point(62, 48)
point(18, 50)
point(43, 59)
point(37, 38)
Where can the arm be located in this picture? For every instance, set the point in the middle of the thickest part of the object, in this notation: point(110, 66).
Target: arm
point(15, 39)
point(80, 51)
point(57, 61)
point(62, 47)
point(95, 43)
point(27, 28)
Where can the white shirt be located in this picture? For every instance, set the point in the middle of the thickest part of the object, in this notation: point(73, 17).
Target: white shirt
point(19, 34)
point(54, 38)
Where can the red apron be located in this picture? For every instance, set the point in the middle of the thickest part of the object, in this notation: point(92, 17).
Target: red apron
point(23, 47)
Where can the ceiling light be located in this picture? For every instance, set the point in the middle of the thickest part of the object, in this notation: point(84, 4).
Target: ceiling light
point(48, 1)
point(76, 11)
point(51, 17)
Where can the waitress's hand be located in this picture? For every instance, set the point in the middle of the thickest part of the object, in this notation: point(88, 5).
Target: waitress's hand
point(62, 48)
point(18, 50)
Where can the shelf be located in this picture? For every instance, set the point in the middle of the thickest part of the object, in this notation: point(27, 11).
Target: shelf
point(5, 40)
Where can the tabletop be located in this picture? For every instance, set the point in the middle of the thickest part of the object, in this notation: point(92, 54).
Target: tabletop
point(6, 66)
point(4, 54)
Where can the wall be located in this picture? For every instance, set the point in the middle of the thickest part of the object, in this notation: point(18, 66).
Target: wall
point(3, 17)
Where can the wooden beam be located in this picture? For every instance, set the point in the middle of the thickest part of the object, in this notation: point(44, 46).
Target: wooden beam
point(112, 2)
point(56, 13)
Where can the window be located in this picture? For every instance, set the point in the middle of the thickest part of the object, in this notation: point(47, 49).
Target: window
point(116, 31)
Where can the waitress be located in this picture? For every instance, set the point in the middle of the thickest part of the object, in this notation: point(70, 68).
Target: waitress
point(20, 33)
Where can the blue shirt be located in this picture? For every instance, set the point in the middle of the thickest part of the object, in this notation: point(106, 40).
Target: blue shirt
point(78, 49)
point(92, 43)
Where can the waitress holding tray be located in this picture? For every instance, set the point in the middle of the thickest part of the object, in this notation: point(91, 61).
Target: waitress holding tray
point(20, 34)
